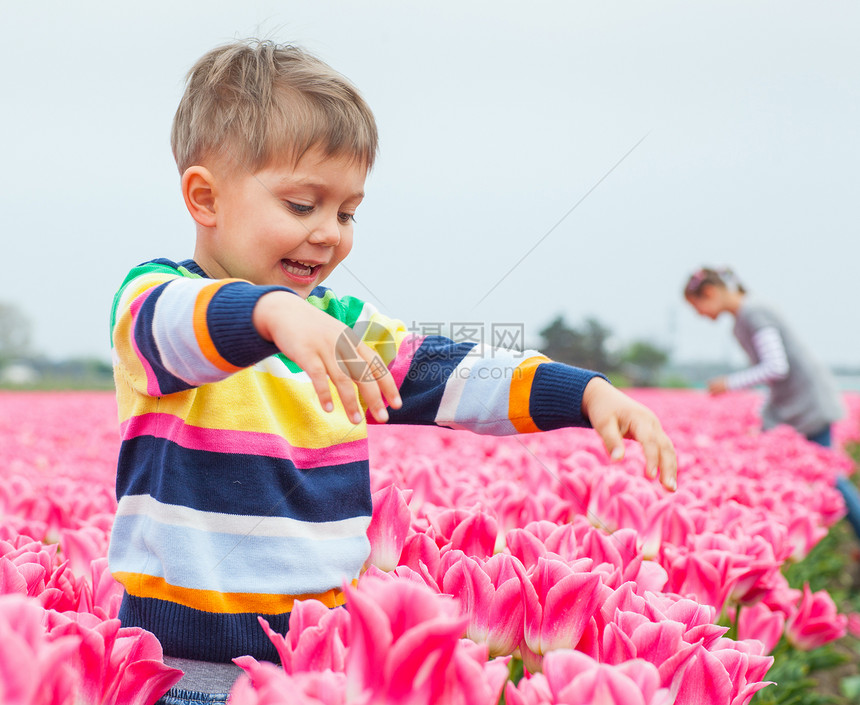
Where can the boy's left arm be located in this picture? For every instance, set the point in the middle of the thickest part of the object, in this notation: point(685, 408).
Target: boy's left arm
point(501, 392)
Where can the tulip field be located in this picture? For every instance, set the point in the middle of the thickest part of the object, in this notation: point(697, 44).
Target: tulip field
point(528, 569)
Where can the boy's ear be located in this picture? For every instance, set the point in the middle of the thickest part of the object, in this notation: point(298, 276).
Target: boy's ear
point(198, 190)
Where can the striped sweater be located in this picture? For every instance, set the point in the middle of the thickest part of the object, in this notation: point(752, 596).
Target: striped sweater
point(237, 493)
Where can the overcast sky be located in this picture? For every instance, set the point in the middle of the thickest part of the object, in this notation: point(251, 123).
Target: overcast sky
point(497, 121)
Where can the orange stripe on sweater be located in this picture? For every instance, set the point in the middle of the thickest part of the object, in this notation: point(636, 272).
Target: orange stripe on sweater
point(140, 585)
point(521, 388)
point(201, 329)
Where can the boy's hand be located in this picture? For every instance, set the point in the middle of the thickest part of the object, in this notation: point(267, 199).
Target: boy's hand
point(326, 350)
point(616, 416)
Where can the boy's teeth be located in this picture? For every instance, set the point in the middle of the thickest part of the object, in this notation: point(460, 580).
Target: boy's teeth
point(297, 268)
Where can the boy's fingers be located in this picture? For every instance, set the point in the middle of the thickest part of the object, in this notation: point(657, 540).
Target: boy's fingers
point(659, 453)
point(372, 398)
point(371, 392)
point(377, 372)
point(610, 434)
point(319, 379)
point(375, 383)
point(389, 389)
point(669, 468)
point(346, 392)
point(343, 383)
point(652, 458)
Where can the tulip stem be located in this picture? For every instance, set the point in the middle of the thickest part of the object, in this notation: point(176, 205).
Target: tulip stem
point(515, 670)
point(732, 633)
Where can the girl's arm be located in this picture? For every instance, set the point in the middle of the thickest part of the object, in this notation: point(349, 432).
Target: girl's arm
point(772, 361)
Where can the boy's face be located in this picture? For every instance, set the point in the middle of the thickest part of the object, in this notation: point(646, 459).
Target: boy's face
point(286, 224)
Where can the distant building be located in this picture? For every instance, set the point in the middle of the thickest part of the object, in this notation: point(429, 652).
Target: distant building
point(18, 373)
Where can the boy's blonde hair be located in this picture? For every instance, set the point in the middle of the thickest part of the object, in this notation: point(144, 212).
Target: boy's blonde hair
point(256, 101)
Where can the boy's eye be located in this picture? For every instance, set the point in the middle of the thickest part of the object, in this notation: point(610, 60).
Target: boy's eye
point(299, 208)
point(346, 217)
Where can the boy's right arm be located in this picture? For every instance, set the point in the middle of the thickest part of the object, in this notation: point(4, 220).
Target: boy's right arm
point(171, 333)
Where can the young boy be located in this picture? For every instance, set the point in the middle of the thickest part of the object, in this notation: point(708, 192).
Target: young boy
point(243, 390)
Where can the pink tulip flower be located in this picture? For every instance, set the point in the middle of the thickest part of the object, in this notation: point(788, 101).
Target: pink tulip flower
point(491, 596)
point(804, 532)
point(34, 670)
point(815, 621)
point(101, 595)
point(716, 678)
point(26, 567)
point(389, 527)
point(634, 636)
point(559, 604)
point(576, 679)
point(315, 640)
point(514, 504)
point(762, 623)
point(705, 577)
point(405, 647)
point(609, 508)
point(533, 690)
point(266, 684)
point(543, 538)
point(853, 624)
point(82, 546)
point(750, 561)
point(63, 592)
point(525, 546)
point(404, 572)
point(421, 553)
point(118, 665)
point(475, 533)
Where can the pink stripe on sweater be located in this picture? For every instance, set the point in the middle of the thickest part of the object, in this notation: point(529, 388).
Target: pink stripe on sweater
point(399, 366)
point(270, 445)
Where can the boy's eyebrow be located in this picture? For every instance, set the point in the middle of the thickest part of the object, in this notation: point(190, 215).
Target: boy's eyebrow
point(312, 184)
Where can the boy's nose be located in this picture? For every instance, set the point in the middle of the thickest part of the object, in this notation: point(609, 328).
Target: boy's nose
point(326, 232)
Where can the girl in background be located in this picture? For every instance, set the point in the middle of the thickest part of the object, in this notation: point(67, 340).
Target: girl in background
point(803, 393)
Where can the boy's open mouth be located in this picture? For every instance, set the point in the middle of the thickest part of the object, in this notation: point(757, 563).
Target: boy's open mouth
point(299, 269)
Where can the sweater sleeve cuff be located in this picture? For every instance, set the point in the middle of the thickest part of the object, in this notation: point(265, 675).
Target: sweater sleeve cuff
point(556, 396)
point(229, 318)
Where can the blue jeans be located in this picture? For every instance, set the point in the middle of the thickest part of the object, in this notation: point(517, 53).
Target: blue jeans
point(822, 437)
point(843, 484)
point(852, 501)
point(177, 696)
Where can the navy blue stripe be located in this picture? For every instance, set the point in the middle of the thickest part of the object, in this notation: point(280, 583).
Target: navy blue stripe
point(556, 396)
point(422, 388)
point(229, 318)
point(205, 636)
point(252, 485)
point(145, 340)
